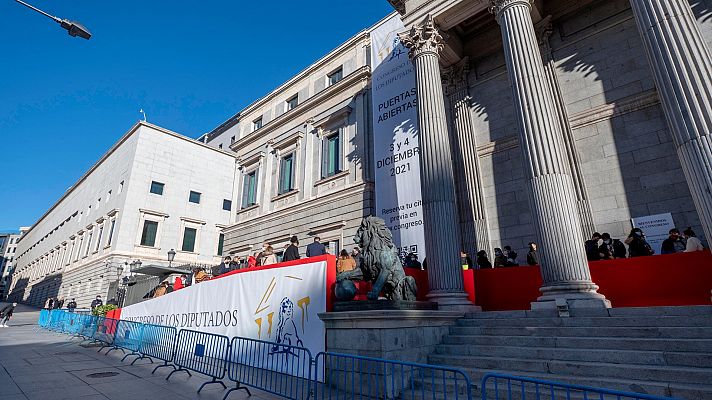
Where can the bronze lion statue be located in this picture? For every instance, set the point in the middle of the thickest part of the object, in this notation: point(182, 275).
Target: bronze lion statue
point(379, 262)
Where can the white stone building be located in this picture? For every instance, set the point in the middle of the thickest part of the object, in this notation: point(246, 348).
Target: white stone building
point(304, 156)
point(8, 250)
point(153, 191)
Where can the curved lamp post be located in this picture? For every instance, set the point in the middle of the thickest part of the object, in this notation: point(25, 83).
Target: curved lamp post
point(73, 28)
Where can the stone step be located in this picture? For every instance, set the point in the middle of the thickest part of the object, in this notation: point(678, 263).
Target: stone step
point(641, 357)
point(647, 344)
point(673, 321)
point(676, 390)
point(632, 332)
point(611, 312)
point(678, 374)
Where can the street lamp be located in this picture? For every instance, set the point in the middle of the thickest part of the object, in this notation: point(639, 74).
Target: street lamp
point(73, 28)
point(171, 257)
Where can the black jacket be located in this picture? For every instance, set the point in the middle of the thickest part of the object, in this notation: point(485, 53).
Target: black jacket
point(7, 311)
point(291, 254)
point(72, 305)
point(532, 258)
point(96, 303)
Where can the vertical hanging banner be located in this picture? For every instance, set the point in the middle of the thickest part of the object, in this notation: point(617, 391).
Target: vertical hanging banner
point(396, 138)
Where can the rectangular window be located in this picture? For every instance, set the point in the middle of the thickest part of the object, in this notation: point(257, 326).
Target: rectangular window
point(157, 188)
point(257, 124)
point(86, 249)
point(148, 236)
point(194, 197)
point(221, 241)
point(292, 102)
point(98, 238)
point(232, 139)
point(220, 146)
point(249, 189)
point(121, 187)
point(111, 232)
point(330, 156)
point(189, 239)
point(286, 173)
point(227, 205)
point(335, 76)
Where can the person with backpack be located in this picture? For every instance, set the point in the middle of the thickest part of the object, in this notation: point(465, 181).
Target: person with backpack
point(6, 313)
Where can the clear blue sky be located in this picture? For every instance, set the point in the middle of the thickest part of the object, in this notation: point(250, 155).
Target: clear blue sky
point(190, 64)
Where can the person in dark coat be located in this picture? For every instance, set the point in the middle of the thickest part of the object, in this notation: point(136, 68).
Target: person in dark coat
point(71, 305)
point(316, 248)
point(674, 243)
point(532, 255)
point(500, 260)
point(292, 252)
point(411, 261)
point(611, 248)
point(97, 302)
point(637, 245)
point(591, 246)
point(225, 265)
point(6, 313)
point(511, 256)
point(482, 260)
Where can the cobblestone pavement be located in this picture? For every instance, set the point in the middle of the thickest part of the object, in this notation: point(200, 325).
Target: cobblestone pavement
point(49, 366)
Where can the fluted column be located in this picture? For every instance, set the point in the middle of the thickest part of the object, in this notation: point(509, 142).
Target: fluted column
point(475, 232)
point(582, 203)
point(552, 198)
point(682, 69)
point(442, 239)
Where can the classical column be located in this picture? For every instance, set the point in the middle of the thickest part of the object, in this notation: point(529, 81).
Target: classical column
point(442, 239)
point(552, 198)
point(584, 206)
point(682, 68)
point(475, 232)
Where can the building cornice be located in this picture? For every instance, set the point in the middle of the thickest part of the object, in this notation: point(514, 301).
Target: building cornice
point(351, 79)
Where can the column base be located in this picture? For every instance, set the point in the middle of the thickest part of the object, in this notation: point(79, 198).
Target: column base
point(570, 295)
point(453, 301)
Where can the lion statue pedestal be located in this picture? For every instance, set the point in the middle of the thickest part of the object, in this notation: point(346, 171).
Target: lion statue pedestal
point(379, 264)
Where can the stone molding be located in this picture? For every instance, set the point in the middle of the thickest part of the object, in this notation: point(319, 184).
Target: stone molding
point(393, 319)
point(626, 105)
point(422, 39)
point(498, 6)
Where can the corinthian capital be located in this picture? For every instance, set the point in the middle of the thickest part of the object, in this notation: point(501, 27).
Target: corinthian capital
point(498, 6)
point(422, 39)
point(455, 78)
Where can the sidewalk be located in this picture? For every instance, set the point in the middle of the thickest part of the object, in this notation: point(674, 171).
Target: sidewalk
point(50, 366)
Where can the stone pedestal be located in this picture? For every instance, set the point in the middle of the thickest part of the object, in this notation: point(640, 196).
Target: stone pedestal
point(552, 198)
point(682, 68)
point(403, 335)
point(442, 237)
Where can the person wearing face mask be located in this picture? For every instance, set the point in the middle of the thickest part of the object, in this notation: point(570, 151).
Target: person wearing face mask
point(97, 302)
point(611, 248)
point(500, 260)
point(637, 245)
point(674, 243)
point(261, 256)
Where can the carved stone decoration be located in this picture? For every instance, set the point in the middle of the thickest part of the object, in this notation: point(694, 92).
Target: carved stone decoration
point(422, 39)
point(500, 5)
point(379, 263)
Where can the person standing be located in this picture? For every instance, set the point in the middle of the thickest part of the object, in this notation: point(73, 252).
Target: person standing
point(637, 245)
point(316, 248)
point(97, 302)
point(225, 265)
point(60, 303)
point(6, 313)
point(592, 253)
point(483, 261)
point(260, 256)
point(268, 256)
point(511, 256)
point(611, 248)
point(532, 255)
point(345, 263)
point(292, 251)
point(71, 305)
point(161, 290)
point(693, 243)
point(465, 260)
point(49, 303)
point(500, 260)
point(674, 243)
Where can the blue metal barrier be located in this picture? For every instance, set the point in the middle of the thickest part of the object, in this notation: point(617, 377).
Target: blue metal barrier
point(89, 326)
point(73, 324)
point(517, 387)
point(56, 320)
point(157, 342)
point(105, 332)
point(43, 320)
point(128, 337)
point(201, 352)
point(275, 368)
point(345, 376)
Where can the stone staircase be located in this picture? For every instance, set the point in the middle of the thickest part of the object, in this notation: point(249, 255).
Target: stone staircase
point(664, 351)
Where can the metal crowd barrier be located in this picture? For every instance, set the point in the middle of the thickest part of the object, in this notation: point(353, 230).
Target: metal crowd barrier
point(521, 388)
point(157, 342)
point(345, 376)
point(202, 352)
point(279, 369)
point(290, 372)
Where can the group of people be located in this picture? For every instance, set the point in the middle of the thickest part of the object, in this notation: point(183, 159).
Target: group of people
point(603, 247)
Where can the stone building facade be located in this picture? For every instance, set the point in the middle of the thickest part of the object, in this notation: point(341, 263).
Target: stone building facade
point(304, 156)
point(153, 191)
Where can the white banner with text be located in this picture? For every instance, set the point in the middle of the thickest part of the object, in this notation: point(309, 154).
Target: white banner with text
point(396, 135)
point(273, 304)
